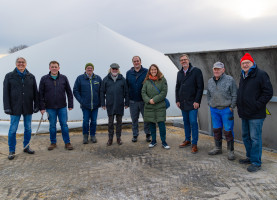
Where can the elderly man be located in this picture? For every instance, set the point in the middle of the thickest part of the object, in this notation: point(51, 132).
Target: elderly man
point(255, 91)
point(53, 89)
point(188, 91)
point(114, 97)
point(20, 97)
point(135, 77)
point(222, 97)
point(87, 92)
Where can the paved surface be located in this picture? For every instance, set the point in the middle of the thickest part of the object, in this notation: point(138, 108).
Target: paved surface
point(132, 171)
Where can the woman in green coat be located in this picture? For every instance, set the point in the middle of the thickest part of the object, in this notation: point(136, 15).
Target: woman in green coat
point(153, 92)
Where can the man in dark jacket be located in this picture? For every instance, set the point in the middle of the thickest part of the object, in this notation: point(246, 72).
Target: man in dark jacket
point(135, 77)
point(87, 92)
point(20, 97)
point(114, 97)
point(255, 91)
point(52, 90)
point(188, 91)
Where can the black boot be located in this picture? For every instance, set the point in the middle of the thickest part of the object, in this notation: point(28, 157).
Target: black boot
point(11, 155)
point(85, 139)
point(230, 148)
point(217, 149)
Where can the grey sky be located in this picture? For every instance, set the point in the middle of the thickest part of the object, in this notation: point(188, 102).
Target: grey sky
point(165, 25)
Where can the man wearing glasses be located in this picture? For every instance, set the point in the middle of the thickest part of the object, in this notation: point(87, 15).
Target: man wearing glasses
point(20, 96)
point(255, 91)
point(188, 91)
point(135, 77)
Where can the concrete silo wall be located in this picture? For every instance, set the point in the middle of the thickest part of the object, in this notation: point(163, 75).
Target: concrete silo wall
point(266, 59)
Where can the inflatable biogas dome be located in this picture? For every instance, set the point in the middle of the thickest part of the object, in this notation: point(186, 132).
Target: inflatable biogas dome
point(96, 44)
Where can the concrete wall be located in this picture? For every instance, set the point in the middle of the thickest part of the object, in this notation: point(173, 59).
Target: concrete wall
point(266, 59)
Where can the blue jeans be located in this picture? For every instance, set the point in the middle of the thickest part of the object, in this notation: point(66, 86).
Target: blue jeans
point(52, 117)
point(191, 125)
point(162, 129)
point(137, 107)
point(13, 128)
point(223, 117)
point(252, 139)
point(89, 121)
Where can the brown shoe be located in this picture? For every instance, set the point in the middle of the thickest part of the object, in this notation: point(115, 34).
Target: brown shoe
point(68, 146)
point(194, 149)
point(119, 142)
point(52, 146)
point(185, 144)
point(110, 142)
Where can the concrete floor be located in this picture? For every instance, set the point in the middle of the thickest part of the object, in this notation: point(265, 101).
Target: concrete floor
point(132, 171)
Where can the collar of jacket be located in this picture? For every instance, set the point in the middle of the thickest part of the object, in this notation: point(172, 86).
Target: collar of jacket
point(86, 76)
point(189, 69)
point(49, 74)
point(142, 69)
point(25, 71)
point(222, 75)
point(252, 71)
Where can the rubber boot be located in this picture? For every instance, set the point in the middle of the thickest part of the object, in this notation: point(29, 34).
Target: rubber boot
point(230, 148)
point(85, 139)
point(217, 149)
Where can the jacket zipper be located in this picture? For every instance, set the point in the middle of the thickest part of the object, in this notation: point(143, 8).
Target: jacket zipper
point(91, 94)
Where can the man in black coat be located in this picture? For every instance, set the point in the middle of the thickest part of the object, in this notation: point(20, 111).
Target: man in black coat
point(53, 89)
point(255, 91)
point(20, 97)
point(114, 97)
point(188, 91)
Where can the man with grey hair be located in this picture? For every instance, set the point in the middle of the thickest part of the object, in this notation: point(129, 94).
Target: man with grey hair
point(222, 97)
point(20, 96)
point(189, 91)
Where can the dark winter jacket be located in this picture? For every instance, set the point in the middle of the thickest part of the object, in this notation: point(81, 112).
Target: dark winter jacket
point(87, 91)
point(254, 93)
point(154, 112)
point(135, 82)
point(114, 95)
point(20, 96)
point(189, 88)
point(52, 92)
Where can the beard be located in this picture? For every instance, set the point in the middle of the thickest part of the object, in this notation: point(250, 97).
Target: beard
point(114, 74)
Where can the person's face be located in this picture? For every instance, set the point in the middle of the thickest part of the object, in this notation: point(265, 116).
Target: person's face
point(218, 72)
point(246, 65)
point(21, 64)
point(114, 71)
point(54, 69)
point(153, 71)
point(184, 61)
point(89, 70)
point(136, 62)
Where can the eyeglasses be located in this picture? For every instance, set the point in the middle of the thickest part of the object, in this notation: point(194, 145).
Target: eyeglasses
point(246, 63)
point(21, 62)
point(183, 60)
point(114, 69)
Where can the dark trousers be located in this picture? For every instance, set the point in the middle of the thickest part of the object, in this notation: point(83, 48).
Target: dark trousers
point(118, 126)
point(162, 131)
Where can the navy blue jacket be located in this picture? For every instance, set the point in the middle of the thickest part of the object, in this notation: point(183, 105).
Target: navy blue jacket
point(189, 88)
point(87, 91)
point(52, 92)
point(20, 96)
point(114, 95)
point(135, 82)
point(254, 93)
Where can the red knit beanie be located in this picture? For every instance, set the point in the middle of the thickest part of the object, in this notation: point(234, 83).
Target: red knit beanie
point(247, 56)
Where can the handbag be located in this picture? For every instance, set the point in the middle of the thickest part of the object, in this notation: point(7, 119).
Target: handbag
point(167, 103)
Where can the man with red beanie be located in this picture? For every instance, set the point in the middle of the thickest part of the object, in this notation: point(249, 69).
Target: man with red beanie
point(255, 91)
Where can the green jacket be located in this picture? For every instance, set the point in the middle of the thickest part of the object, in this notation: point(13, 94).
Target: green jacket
point(154, 112)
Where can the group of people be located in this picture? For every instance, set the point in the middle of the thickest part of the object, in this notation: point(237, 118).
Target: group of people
point(144, 92)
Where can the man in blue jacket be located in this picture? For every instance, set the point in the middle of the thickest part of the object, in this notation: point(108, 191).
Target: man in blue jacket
point(53, 89)
point(20, 97)
point(135, 77)
point(87, 92)
point(255, 91)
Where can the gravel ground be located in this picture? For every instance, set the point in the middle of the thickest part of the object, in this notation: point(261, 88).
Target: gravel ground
point(132, 171)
